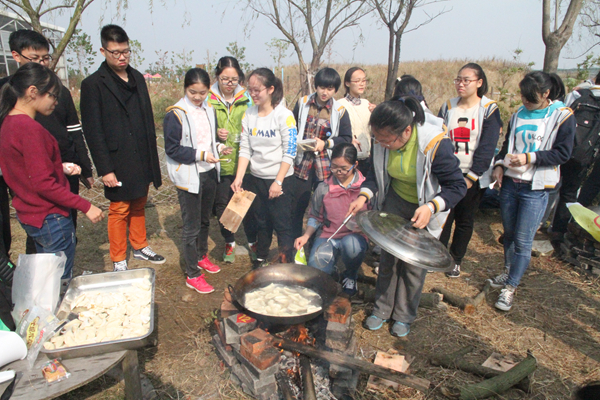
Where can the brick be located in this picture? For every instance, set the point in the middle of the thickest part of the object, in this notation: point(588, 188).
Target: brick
point(255, 385)
point(227, 356)
point(255, 371)
point(241, 323)
point(228, 309)
point(256, 341)
point(264, 359)
point(339, 372)
point(338, 331)
point(339, 310)
point(339, 344)
point(231, 336)
point(221, 333)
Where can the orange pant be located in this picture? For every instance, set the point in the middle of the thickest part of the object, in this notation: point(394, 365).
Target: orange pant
point(123, 215)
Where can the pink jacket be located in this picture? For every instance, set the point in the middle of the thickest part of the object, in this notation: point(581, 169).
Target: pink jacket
point(330, 203)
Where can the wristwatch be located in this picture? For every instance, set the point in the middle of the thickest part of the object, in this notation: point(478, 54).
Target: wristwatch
point(431, 208)
point(278, 182)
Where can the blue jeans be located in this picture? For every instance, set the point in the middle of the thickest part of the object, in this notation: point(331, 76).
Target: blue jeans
point(56, 234)
point(522, 211)
point(351, 248)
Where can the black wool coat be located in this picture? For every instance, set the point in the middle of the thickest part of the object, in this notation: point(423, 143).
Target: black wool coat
point(107, 129)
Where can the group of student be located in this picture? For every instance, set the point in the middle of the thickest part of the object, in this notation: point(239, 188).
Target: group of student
point(339, 156)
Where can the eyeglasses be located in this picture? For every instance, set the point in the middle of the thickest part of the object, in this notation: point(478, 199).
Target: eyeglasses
point(464, 81)
point(116, 54)
point(341, 170)
point(226, 81)
point(386, 143)
point(254, 92)
point(53, 95)
point(360, 81)
point(45, 59)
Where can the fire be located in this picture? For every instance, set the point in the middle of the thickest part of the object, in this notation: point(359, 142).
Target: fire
point(299, 334)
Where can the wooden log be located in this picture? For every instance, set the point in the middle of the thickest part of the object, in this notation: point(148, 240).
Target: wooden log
point(236, 210)
point(454, 300)
point(355, 364)
point(480, 298)
point(308, 383)
point(430, 300)
point(467, 304)
point(501, 383)
point(284, 386)
point(455, 360)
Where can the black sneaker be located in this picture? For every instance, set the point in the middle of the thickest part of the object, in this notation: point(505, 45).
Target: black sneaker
point(455, 273)
point(147, 254)
point(349, 287)
point(259, 263)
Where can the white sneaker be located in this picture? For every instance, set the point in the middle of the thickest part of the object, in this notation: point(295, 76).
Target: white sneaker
point(120, 265)
point(505, 300)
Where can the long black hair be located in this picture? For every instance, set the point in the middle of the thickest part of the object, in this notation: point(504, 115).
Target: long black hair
point(345, 150)
point(30, 74)
point(397, 114)
point(229, 62)
point(536, 83)
point(483, 89)
point(268, 78)
point(196, 75)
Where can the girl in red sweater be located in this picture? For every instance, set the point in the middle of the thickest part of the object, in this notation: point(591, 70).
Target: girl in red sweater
point(32, 167)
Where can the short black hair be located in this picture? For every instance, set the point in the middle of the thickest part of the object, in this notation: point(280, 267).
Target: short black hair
point(113, 33)
point(328, 77)
point(345, 150)
point(598, 78)
point(27, 39)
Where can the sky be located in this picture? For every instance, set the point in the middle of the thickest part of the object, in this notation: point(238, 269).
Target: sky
point(471, 29)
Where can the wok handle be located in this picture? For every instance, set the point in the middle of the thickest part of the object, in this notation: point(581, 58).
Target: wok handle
point(232, 293)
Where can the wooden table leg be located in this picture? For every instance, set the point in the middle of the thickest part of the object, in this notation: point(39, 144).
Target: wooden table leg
point(131, 373)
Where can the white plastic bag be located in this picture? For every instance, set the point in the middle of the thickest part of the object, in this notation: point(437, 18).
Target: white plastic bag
point(37, 282)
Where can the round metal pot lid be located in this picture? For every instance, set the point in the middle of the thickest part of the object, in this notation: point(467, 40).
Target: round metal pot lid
point(397, 236)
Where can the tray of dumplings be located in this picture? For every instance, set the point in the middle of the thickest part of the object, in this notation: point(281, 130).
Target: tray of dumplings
point(108, 312)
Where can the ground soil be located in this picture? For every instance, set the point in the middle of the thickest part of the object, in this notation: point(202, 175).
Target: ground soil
point(556, 316)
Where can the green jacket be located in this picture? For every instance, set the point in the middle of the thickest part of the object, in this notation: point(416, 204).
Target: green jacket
point(230, 119)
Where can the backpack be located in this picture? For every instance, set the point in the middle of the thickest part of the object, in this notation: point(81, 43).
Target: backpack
point(587, 134)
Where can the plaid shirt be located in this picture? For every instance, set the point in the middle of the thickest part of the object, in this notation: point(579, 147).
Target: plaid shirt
point(353, 100)
point(318, 126)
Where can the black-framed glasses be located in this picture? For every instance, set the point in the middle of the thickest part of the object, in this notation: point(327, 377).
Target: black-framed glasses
point(45, 59)
point(53, 95)
point(225, 80)
point(341, 170)
point(116, 54)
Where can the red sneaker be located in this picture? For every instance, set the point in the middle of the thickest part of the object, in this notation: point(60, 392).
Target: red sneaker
point(199, 285)
point(208, 266)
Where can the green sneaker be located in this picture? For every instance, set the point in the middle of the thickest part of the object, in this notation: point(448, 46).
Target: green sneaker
point(229, 254)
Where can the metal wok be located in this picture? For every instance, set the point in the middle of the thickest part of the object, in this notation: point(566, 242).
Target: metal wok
point(286, 274)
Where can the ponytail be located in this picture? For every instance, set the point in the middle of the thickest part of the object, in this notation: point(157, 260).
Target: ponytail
point(268, 78)
point(8, 99)
point(397, 114)
point(30, 74)
point(408, 85)
point(536, 83)
point(557, 92)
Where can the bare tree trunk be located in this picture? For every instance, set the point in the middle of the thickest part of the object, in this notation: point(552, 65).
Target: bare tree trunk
point(389, 84)
point(556, 39)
